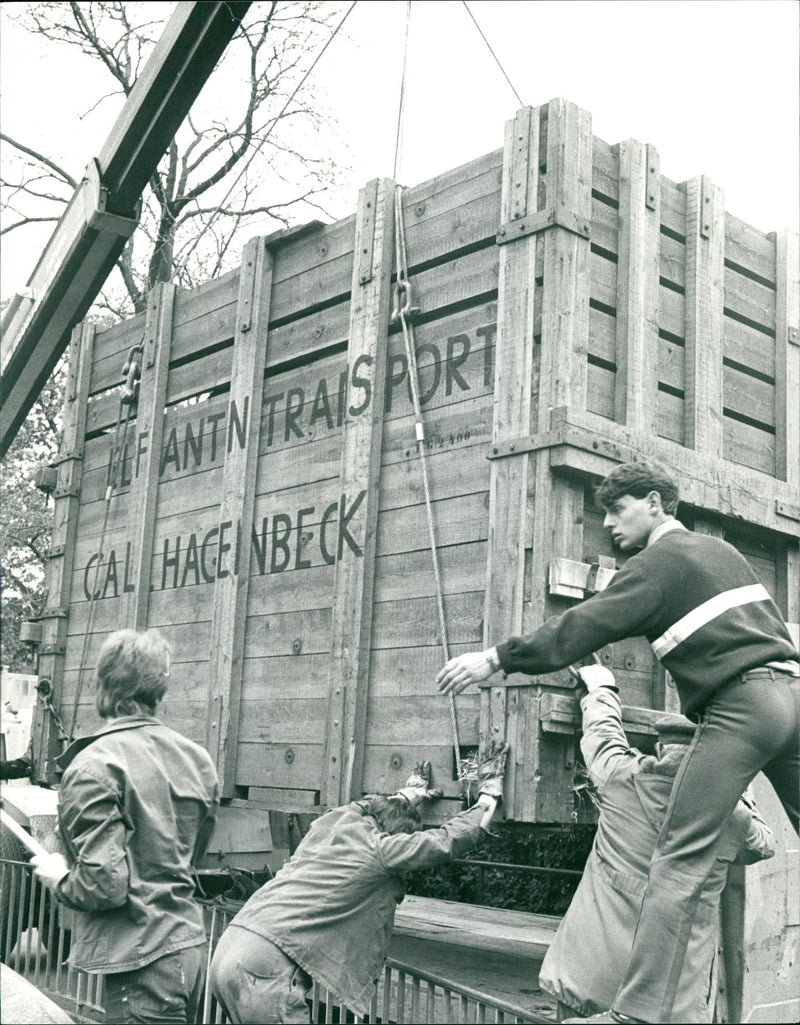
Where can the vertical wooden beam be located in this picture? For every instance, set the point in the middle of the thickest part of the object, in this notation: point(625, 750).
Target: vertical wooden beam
point(705, 268)
point(512, 416)
point(637, 285)
point(236, 509)
point(143, 496)
point(787, 357)
point(351, 617)
point(558, 505)
point(45, 737)
point(565, 300)
point(547, 188)
point(359, 472)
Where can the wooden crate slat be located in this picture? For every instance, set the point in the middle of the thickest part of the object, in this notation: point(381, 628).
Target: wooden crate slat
point(351, 616)
point(787, 357)
point(637, 295)
point(142, 500)
point(236, 507)
point(705, 242)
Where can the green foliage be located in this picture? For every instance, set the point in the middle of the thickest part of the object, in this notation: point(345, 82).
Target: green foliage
point(564, 847)
point(26, 518)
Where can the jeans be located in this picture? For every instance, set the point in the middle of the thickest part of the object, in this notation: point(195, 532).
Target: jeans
point(255, 982)
point(751, 725)
point(167, 990)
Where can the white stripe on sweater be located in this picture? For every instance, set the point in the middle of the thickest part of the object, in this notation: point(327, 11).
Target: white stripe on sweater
point(703, 614)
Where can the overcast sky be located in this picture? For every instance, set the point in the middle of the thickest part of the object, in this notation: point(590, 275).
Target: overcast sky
point(713, 84)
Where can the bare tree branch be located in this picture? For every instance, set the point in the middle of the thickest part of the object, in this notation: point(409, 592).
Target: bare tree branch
point(25, 222)
point(59, 171)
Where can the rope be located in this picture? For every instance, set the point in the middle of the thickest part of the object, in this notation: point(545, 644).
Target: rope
point(491, 51)
point(403, 311)
point(131, 372)
point(401, 108)
point(264, 138)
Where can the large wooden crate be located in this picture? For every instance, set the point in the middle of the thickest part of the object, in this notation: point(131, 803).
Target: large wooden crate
point(576, 308)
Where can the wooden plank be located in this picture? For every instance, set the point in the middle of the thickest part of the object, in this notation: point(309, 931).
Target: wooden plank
point(565, 302)
point(143, 496)
point(236, 507)
point(206, 313)
point(748, 445)
point(590, 447)
point(705, 248)
point(513, 403)
point(45, 734)
point(749, 248)
point(360, 469)
point(268, 766)
point(557, 508)
point(638, 285)
point(787, 357)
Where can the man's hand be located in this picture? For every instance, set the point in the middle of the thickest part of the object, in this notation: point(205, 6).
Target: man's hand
point(593, 677)
point(466, 669)
point(418, 785)
point(50, 868)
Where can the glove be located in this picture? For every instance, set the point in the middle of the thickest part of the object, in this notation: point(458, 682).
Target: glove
point(593, 677)
point(487, 776)
point(418, 785)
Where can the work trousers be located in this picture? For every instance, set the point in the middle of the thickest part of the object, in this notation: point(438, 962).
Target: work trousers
point(751, 725)
point(256, 983)
point(167, 990)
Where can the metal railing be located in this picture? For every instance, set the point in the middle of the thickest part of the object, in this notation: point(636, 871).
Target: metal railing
point(35, 939)
point(406, 995)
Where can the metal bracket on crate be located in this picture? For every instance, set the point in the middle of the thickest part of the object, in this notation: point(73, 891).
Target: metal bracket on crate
point(787, 509)
point(541, 220)
point(55, 612)
point(53, 649)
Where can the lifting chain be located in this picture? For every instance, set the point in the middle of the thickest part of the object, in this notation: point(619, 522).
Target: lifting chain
point(405, 312)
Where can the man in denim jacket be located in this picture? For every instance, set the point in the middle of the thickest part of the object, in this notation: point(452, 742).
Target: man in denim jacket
point(328, 913)
point(632, 792)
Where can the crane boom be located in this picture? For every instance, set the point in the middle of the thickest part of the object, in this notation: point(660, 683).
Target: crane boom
point(104, 210)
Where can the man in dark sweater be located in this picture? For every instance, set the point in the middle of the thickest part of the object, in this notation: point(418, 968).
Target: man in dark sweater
point(735, 666)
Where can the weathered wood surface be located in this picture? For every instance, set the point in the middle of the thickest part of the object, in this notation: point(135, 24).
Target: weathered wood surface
point(301, 565)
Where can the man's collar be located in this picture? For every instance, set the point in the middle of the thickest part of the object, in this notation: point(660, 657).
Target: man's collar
point(125, 722)
point(662, 529)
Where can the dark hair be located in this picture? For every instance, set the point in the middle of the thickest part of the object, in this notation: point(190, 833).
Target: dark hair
point(132, 672)
point(639, 479)
point(393, 814)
